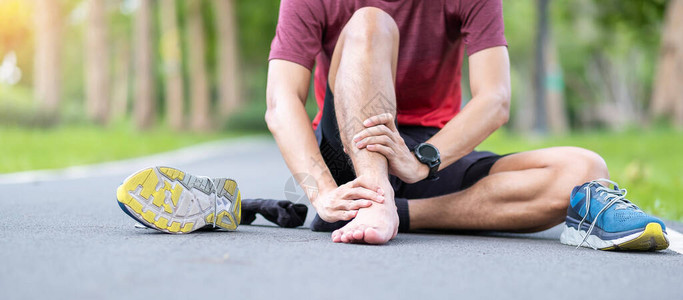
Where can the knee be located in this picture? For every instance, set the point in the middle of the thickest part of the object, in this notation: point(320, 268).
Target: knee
point(371, 26)
point(571, 166)
point(582, 164)
point(557, 211)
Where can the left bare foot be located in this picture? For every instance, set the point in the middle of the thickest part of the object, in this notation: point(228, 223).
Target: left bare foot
point(376, 224)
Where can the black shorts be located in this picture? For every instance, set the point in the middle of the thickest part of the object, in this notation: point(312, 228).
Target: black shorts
point(456, 177)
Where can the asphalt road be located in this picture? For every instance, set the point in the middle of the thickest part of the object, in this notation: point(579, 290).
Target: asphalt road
point(64, 237)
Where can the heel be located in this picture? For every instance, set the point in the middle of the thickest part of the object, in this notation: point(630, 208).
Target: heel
point(228, 204)
point(570, 236)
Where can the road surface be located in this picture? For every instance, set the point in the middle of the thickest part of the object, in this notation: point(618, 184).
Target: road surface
point(62, 236)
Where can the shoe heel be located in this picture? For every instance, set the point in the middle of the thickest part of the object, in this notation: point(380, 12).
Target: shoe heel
point(228, 204)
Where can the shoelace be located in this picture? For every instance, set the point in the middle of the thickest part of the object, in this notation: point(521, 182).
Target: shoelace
point(614, 195)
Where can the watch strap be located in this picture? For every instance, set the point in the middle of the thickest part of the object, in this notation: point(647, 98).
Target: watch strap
point(433, 168)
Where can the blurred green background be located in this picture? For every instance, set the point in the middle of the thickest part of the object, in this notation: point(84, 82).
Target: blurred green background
point(85, 81)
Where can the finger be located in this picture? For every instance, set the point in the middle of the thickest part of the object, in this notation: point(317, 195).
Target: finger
point(365, 182)
point(353, 205)
point(362, 193)
point(381, 149)
point(346, 215)
point(371, 131)
point(385, 118)
point(381, 139)
point(349, 205)
point(365, 191)
point(347, 185)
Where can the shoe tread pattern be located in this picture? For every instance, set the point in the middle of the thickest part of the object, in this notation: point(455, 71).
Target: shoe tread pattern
point(167, 199)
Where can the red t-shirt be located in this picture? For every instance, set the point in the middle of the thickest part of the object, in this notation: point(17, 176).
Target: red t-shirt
point(432, 37)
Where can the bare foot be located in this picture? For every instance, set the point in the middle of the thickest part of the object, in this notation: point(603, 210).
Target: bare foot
point(376, 224)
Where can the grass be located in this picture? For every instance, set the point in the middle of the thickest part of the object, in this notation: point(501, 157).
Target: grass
point(649, 163)
point(33, 148)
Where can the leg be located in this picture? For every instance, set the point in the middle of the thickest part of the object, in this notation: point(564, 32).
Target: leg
point(524, 192)
point(361, 77)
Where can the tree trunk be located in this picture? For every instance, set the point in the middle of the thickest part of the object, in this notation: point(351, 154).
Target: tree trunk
point(122, 72)
point(171, 53)
point(199, 86)
point(97, 63)
point(541, 125)
point(229, 85)
point(524, 102)
point(144, 77)
point(47, 67)
point(554, 90)
point(667, 98)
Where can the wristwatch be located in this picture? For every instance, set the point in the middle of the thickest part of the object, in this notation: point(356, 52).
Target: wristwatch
point(429, 155)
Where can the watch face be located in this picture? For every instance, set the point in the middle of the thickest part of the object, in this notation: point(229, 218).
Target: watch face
point(428, 152)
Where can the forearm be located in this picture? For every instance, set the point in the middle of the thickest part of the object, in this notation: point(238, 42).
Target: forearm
point(291, 128)
point(479, 118)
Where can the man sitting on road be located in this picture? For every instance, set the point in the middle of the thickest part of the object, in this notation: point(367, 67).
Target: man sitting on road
point(391, 150)
point(387, 82)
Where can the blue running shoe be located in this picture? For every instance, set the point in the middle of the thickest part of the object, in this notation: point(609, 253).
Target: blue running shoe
point(601, 218)
point(172, 201)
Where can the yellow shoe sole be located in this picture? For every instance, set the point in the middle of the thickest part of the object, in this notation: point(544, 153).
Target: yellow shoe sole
point(651, 239)
point(172, 201)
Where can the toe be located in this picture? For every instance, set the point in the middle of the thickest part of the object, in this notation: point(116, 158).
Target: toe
point(336, 236)
point(358, 235)
point(372, 236)
point(349, 236)
point(345, 238)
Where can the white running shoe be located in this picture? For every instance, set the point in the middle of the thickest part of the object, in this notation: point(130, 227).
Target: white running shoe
point(172, 201)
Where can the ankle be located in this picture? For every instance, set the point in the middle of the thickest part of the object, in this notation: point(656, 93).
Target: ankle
point(380, 180)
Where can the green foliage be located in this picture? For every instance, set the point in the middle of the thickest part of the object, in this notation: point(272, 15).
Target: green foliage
point(15, 110)
point(602, 46)
point(589, 34)
point(257, 20)
point(58, 147)
point(250, 117)
point(600, 38)
point(642, 19)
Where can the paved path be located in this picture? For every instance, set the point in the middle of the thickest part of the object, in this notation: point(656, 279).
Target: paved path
point(67, 239)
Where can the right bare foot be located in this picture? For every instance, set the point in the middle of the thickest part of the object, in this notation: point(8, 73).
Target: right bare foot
point(376, 224)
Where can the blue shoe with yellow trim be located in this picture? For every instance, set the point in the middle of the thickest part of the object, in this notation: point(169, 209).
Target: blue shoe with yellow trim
point(172, 201)
point(601, 218)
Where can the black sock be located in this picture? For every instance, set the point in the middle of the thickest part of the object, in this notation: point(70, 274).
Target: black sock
point(403, 216)
point(403, 219)
point(281, 212)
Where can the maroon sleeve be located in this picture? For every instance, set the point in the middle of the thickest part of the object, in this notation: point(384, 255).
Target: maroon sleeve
point(298, 36)
point(482, 24)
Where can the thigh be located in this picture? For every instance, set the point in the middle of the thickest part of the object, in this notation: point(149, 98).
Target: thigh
point(456, 177)
point(543, 158)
